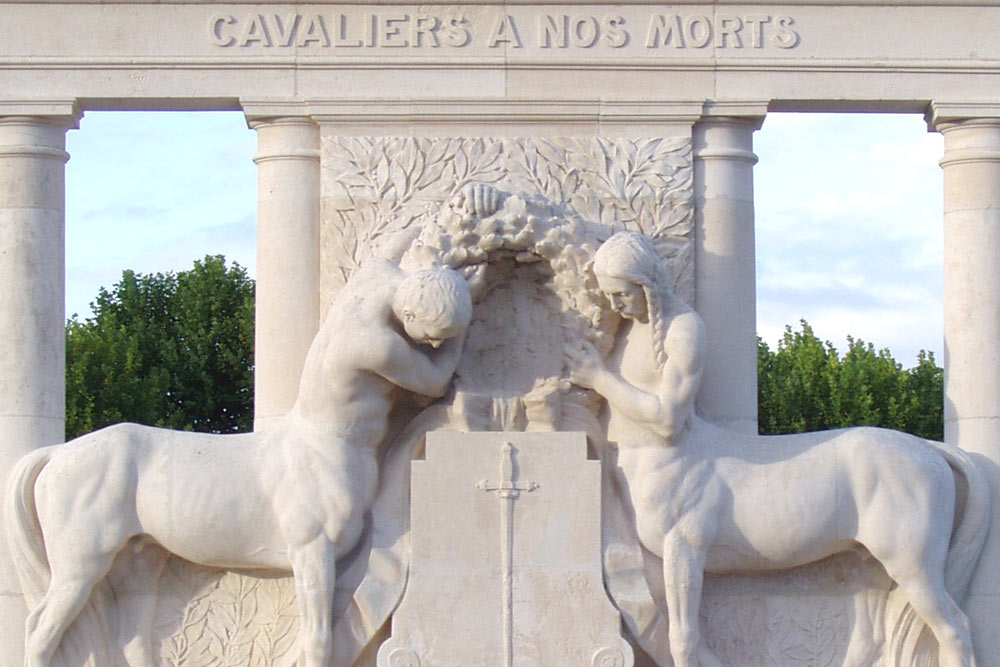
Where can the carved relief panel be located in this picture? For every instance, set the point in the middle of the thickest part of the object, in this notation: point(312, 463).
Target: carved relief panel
point(375, 188)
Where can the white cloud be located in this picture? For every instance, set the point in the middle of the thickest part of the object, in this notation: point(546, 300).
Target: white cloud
point(849, 230)
point(153, 192)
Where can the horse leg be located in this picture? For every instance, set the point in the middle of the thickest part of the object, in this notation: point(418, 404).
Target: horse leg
point(137, 604)
point(866, 635)
point(683, 574)
point(949, 625)
point(62, 603)
point(314, 567)
point(929, 598)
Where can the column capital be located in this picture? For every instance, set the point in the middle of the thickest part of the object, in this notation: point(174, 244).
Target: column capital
point(970, 140)
point(64, 113)
point(744, 113)
point(286, 138)
point(941, 116)
point(268, 110)
point(726, 138)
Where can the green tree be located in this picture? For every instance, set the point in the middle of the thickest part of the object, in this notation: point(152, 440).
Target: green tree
point(805, 385)
point(165, 349)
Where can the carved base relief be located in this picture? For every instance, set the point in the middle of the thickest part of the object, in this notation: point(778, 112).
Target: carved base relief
point(798, 617)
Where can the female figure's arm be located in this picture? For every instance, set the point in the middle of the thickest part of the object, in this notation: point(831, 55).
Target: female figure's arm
point(667, 410)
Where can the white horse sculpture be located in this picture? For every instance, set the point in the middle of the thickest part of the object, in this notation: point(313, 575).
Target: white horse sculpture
point(291, 498)
point(714, 501)
point(706, 499)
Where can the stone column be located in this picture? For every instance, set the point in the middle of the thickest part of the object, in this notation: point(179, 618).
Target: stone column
point(971, 165)
point(287, 259)
point(725, 269)
point(32, 316)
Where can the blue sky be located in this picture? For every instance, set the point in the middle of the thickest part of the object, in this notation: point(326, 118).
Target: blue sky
point(848, 215)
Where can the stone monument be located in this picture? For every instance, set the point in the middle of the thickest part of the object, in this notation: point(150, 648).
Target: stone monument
point(515, 319)
point(504, 143)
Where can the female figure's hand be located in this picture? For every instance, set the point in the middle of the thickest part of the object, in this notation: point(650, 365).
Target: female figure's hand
point(585, 364)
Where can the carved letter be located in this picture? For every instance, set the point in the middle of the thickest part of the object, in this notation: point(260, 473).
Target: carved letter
point(729, 26)
point(456, 33)
point(391, 32)
point(340, 32)
point(315, 32)
point(371, 30)
point(699, 30)
point(215, 25)
point(756, 27)
point(426, 26)
point(255, 30)
point(666, 29)
point(286, 35)
point(504, 32)
point(585, 31)
point(785, 38)
point(553, 30)
point(614, 33)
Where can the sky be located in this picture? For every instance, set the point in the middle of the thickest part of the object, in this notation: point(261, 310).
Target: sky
point(848, 216)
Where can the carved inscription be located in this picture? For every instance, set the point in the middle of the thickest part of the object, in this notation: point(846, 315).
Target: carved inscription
point(727, 31)
point(413, 31)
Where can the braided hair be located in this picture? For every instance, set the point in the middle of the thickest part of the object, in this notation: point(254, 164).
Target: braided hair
point(633, 257)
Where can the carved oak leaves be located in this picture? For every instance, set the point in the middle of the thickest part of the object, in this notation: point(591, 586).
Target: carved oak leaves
point(374, 189)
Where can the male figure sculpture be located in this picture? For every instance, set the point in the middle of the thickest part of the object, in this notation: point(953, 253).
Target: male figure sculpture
point(291, 498)
point(709, 500)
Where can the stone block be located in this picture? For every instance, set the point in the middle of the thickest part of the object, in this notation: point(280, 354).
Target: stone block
point(506, 556)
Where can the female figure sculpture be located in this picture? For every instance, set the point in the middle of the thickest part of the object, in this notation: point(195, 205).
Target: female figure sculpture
point(706, 499)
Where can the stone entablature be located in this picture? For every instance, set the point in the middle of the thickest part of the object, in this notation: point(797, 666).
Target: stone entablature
point(212, 55)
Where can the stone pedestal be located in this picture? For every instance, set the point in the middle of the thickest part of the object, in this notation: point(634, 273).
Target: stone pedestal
point(32, 315)
point(725, 269)
point(506, 557)
point(971, 166)
point(287, 315)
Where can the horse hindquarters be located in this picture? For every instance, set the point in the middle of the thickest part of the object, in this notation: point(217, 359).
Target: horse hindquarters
point(932, 570)
point(55, 600)
point(85, 529)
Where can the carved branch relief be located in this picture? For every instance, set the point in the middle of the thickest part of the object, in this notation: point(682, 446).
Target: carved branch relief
point(213, 617)
point(374, 189)
point(795, 617)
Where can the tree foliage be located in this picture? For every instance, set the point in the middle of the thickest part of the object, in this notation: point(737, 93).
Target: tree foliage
point(165, 349)
point(805, 385)
point(176, 350)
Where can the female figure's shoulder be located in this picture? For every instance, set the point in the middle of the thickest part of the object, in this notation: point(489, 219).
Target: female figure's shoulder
point(685, 339)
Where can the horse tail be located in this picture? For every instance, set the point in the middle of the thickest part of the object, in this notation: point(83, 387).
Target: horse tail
point(906, 640)
point(24, 533)
point(969, 535)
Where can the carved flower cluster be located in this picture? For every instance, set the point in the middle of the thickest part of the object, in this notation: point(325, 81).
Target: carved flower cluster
point(529, 229)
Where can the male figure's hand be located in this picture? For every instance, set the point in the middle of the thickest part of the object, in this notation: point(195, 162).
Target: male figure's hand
point(480, 199)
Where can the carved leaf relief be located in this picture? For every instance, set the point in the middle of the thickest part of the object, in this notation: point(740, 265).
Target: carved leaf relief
point(375, 189)
point(212, 618)
point(799, 617)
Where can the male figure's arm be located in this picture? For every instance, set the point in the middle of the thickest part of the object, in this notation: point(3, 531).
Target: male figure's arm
point(420, 369)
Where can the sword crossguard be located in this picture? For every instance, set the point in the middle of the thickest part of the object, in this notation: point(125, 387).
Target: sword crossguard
point(507, 487)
